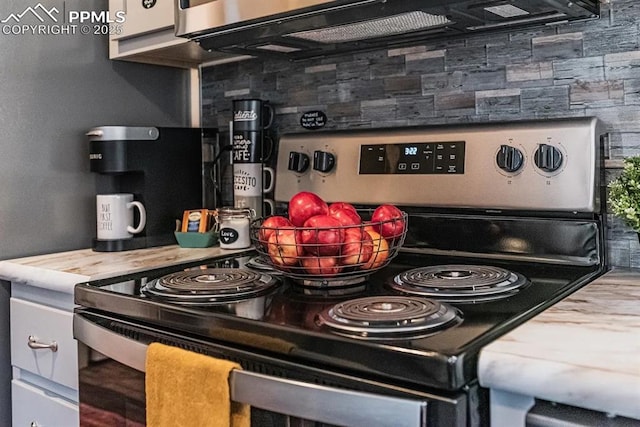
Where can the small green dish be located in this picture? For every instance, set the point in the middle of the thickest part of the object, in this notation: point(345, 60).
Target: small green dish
point(196, 240)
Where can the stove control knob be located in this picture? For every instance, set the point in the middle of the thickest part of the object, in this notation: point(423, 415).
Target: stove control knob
point(298, 162)
point(548, 158)
point(323, 161)
point(509, 158)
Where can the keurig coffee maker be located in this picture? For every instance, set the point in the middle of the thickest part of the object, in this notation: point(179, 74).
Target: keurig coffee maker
point(161, 167)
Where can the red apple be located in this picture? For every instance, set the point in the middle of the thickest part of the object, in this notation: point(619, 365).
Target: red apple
point(321, 266)
point(357, 247)
point(284, 246)
point(346, 216)
point(304, 205)
point(322, 235)
point(388, 221)
point(341, 205)
point(270, 225)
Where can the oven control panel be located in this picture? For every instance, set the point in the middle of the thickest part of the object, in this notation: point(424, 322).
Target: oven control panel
point(412, 158)
point(545, 165)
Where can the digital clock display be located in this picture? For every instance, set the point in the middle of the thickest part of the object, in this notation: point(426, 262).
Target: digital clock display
point(413, 158)
point(411, 150)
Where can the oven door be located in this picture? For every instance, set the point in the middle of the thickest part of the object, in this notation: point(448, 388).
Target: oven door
point(112, 386)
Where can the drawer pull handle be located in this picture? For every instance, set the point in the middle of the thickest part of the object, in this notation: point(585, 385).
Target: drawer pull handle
point(34, 344)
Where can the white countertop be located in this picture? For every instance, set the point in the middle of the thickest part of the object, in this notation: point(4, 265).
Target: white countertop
point(61, 271)
point(584, 351)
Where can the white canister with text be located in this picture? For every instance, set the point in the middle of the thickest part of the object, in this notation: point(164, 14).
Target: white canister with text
point(234, 227)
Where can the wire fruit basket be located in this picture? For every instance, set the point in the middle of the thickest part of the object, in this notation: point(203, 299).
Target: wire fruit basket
point(329, 254)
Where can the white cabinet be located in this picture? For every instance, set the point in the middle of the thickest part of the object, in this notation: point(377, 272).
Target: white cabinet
point(39, 408)
point(44, 382)
point(51, 329)
point(44, 388)
point(143, 31)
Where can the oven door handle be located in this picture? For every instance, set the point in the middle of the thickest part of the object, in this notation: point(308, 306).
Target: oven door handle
point(325, 404)
point(296, 398)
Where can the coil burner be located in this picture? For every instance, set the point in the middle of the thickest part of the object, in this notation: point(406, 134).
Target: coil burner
point(460, 283)
point(389, 317)
point(210, 286)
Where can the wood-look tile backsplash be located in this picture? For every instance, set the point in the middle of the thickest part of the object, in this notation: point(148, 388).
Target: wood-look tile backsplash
point(589, 68)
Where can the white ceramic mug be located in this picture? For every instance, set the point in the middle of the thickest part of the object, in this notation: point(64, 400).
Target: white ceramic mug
point(260, 207)
point(248, 179)
point(115, 216)
point(269, 207)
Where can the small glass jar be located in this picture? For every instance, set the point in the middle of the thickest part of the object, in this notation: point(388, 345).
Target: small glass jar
point(234, 227)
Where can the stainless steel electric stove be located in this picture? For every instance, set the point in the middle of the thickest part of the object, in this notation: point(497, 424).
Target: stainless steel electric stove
point(504, 220)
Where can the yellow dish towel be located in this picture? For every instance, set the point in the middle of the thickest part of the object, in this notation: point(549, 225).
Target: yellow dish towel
point(186, 389)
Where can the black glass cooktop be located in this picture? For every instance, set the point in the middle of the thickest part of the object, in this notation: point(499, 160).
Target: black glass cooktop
point(289, 321)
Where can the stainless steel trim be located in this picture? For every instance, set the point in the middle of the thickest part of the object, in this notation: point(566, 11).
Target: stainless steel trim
point(121, 133)
point(575, 187)
point(325, 404)
point(549, 414)
point(117, 347)
point(216, 15)
point(309, 401)
point(246, 26)
point(33, 343)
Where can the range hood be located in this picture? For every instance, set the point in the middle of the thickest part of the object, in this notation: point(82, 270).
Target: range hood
point(300, 29)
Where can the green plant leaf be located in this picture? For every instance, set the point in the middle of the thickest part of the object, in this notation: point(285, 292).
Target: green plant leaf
point(624, 193)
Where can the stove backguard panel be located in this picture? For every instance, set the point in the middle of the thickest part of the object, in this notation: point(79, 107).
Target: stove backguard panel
point(545, 165)
point(548, 240)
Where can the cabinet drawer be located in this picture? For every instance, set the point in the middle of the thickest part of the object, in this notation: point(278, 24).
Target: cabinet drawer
point(46, 325)
point(32, 406)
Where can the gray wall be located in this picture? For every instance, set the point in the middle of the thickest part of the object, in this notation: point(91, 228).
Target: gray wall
point(53, 89)
point(582, 69)
point(5, 355)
